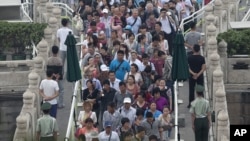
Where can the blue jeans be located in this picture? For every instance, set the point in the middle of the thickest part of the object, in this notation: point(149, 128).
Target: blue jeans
point(53, 110)
point(61, 93)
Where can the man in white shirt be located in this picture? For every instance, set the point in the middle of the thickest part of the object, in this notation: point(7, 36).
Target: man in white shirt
point(146, 62)
point(134, 21)
point(62, 34)
point(127, 110)
point(108, 134)
point(114, 82)
point(136, 61)
point(49, 90)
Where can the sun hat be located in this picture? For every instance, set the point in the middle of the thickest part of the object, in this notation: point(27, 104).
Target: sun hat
point(127, 100)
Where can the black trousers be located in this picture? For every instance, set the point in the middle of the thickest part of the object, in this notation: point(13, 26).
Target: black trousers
point(201, 127)
point(192, 83)
point(170, 38)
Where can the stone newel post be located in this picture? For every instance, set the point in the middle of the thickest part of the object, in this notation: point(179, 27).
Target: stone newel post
point(48, 38)
point(57, 14)
point(222, 50)
point(43, 50)
point(218, 13)
point(213, 64)
point(38, 66)
point(34, 79)
point(53, 27)
point(49, 8)
point(223, 125)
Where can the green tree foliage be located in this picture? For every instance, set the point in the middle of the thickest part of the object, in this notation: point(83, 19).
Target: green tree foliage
point(238, 41)
point(20, 35)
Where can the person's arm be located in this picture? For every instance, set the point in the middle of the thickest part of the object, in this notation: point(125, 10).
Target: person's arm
point(55, 130)
point(203, 68)
point(38, 134)
point(42, 94)
point(193, 73)
point(193, 118)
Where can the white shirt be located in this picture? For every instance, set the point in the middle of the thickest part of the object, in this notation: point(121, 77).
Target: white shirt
point(116, 84)
point(151, 64)
point(188, 3)
point(49, 88)
point(166, 26)
point(104, 137)
point(62, 34)
point(138, 63)
point(114, 1)
point(82, 114)
point(130, 113)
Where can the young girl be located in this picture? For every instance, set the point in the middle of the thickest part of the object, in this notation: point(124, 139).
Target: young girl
point(165, 121)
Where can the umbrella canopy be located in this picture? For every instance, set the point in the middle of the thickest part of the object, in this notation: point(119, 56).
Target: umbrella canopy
point(73, 68)
point(180, 71)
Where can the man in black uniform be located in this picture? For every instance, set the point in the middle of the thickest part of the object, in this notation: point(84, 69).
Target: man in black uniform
point(197, 66)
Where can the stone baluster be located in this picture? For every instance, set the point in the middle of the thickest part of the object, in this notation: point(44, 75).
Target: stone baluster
point(57, 14)
point(35, 10)
point(217, 82)
point(208, 11)
point(49, 8)
point(210, 32)
point(39, 66)
point(214, 63)
point(34, 79)
point(223, 124)
point(42, 8)
point(222, 50)
point(43, 50)
point(27, 101)
point(53, 27)
point(21, 123)
point(218, 14)
point(48, 38)
point(224, 138)
point(212, 47)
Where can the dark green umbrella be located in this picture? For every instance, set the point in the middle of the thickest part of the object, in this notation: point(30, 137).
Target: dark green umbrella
point(180, 71)
point(73, 68)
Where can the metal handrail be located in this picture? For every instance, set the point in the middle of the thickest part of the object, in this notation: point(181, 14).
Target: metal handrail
point(176, 110)
point(247, 15)
point(25, 10)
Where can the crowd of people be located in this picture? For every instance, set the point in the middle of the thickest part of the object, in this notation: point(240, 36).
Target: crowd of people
point(127, 90)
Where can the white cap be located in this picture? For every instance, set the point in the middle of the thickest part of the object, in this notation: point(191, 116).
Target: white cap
point(127, 100)
point(104, 67)
point(105, 11)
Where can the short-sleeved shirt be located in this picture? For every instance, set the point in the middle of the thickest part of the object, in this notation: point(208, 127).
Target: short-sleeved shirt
point(192, 38)
point(200, 107)
point(46, 125)
point(121, 70)
point(104, 137)
point(152, 129)
point(195, 63)
point(62, 34)
point(54, 61)
point(136, 25)
point(49, 88)
point(118, 99)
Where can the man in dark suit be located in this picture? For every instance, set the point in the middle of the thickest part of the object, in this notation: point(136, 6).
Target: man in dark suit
point(80, 8)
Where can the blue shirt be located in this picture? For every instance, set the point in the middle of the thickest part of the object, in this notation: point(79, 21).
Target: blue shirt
point(137, 24)
point(156, 114)
point(121, 71)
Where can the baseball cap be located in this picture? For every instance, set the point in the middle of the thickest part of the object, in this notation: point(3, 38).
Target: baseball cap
point(105, 10)
point(108, 124)
point(128, 27)
point(104, 67)
point(46, 106)
point(127, 100)
point(199, 88)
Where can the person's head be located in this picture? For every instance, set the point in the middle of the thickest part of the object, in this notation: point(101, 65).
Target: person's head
point(90, 84)
point(87, 8)
point(49, 73)
point(156, 93)
point(106, 84)
point(89, 123)
point(124, 47)
point(97, 17)
point(112, 75)
point(134, 68)
point(127, 102)
point(91, 48)
point(158, 26)
point(149, 116)
point(172, 4)
point(139, 113)
point(142, 6)
point(143, 29)
point(64, 22)
point(105, 12)
point(122, 86)
point(166, 5)
point(111, 107)
point(199, 90)
point(130, 3)
point(141, 97)
point(164, 12)
point(141, 38)
point(120, 55)
point(156, 40)
point(104, 50)
point(196, 48)
point(55, 50)
point(128, 136)
point(90, 60)
point(116, 12)
point(151, 16)
point(149, 7)
point(157, 79)
point(107, 126)
point(161, 35)
point(131, 79)
point(153, 138)
point(93, 25)
point(131, 36)
point(162, 83)
point(116, 44)
point(145, 58)
point(87, 106)
point(97, 58)
point(81, 3)
point(89, 17)
point(192, 25)
point(125, 122)
point(156, 52)
point(46, 108)
point(166, 110)
point(133, 55)
point(141, 131)
point(135, 13)
point(122, 7)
